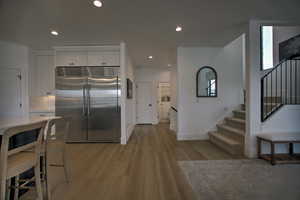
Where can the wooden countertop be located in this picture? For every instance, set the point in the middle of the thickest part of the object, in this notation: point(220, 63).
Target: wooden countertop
point(9, 122)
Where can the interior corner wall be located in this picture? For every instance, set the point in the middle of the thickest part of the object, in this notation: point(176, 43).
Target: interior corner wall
point(17, 56)
point(198, 116)
point(130, 103)
point(128, 112)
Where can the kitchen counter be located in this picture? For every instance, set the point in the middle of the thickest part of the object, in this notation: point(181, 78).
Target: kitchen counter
point(10, 122)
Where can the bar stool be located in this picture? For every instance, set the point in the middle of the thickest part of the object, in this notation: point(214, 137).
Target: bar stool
point(14, 162)
point(54, 142)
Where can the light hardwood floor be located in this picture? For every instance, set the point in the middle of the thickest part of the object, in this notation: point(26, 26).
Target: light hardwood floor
point(145, 169)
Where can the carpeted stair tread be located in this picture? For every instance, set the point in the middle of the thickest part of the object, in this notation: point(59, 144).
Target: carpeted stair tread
point(235, 119)
point(240, 111)
point(224, 138)
point(231, 129)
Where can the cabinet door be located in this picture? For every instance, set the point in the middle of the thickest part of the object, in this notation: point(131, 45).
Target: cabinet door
point(44, 75)
point(95, 58)
point(111, 58)
point(71, 58)
point(101, 58)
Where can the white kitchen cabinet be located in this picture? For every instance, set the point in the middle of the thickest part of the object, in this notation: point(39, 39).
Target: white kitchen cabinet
point(45, 75)
point(71, 58)
point(42, 75)
point(103, 58)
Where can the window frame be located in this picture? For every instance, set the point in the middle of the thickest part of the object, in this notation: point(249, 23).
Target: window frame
point(261, 48)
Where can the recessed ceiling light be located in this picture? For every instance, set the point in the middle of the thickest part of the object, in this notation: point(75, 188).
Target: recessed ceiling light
point(53, 32)
point(169, 65)
point(97, 3)
point(150, 57)
point(178, 28)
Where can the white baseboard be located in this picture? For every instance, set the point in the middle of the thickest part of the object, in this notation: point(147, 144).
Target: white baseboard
point(192, 136)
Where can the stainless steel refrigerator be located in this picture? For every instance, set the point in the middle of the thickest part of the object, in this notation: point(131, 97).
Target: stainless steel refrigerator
point(90, 97)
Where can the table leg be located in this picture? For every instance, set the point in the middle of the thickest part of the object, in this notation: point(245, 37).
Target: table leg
point(259, 147)
point(272, 153)
point(291, 148)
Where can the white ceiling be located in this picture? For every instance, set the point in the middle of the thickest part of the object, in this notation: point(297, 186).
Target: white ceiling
point(147, 26)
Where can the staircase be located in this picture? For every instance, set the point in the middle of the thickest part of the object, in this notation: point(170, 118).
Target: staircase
point(230, 134)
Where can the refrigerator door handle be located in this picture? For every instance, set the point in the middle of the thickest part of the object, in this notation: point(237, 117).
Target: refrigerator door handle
point(84, 101)
point(117, 94)
point(88, 100)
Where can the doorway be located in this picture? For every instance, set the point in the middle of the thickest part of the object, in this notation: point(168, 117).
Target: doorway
point(164, 102)
point(144, 102)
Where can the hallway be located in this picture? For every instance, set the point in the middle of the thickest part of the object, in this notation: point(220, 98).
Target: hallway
point(145, 169)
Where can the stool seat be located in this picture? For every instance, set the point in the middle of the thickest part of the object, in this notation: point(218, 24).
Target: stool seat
point(20, 162)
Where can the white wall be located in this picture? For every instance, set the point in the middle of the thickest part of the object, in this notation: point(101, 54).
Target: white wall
point(19, 57)
point(128, 111)
point(197, 116)
point(154, 75)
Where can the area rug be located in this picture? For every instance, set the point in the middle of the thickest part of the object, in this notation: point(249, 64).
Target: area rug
point(242, 180)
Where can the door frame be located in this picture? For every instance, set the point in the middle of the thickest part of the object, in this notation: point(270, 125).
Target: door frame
point(159, 98)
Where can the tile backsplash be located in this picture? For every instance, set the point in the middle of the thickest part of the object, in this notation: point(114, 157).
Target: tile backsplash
point(42, 103)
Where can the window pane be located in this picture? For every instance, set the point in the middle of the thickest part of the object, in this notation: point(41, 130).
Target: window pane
point(267, 47)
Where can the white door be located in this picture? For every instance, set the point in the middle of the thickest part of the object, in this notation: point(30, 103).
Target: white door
point(164, 102)
point(10, 90)
point(144, 103)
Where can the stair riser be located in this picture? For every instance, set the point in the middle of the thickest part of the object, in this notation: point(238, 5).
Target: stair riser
point(232, 135)
point(234, 150)
point(239, 115)
point(236, 124)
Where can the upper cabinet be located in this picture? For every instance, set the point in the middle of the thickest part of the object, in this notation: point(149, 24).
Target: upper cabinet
point(71, 58)
point(87, 56)
point(42, 70)
point(101, 58)
point(41, 74)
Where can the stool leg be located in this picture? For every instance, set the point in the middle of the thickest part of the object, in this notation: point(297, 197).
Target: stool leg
point(259, 148)
point(38, 183)
point(8, 188)
point(16, 193)
point(65, 164)
point(3, 189)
